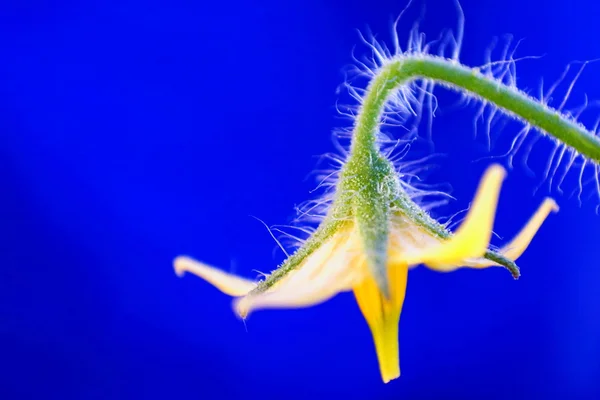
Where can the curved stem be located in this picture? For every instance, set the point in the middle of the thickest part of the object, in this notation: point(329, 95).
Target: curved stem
point(402, 70)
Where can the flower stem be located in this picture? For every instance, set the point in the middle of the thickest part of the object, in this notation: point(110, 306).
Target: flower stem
point(402, 70)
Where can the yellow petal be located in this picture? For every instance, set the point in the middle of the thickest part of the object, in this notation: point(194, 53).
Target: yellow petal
point(383, 317)
point(322, 275)
point(227, 283)
point(473, 237)
point(518, 245)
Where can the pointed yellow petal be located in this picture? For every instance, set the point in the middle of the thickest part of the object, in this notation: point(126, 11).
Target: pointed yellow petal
point(383, 317)
point(518, 245)
point(227, 283)
point(473, 237)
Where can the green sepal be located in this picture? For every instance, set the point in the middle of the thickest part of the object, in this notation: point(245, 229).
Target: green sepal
point(372, 216)
point(335, 221)
point(373, 182)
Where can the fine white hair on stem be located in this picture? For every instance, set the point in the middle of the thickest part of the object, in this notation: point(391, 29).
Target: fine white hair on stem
point(407, 120)
point(412, 106)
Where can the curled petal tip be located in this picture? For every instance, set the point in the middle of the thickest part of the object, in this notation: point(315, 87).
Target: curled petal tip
point(227, 283)
point(241, 307)
point(179, 265)
point(552, 204)
point(495, 173)
point(497, 170)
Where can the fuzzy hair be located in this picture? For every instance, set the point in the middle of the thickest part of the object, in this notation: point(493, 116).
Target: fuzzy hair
point(414, 104)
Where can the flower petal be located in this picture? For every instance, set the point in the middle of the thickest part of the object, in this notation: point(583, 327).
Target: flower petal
point(227, 283)
point(518, 245)
point(471, 240)
point(383, 317)
point(323, 274)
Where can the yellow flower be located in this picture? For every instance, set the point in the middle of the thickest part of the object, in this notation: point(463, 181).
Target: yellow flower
point(341, 259)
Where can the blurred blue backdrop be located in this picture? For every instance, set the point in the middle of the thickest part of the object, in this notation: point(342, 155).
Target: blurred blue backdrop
point(135, 131)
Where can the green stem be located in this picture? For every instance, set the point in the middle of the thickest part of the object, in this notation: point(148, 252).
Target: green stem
point(403, 70)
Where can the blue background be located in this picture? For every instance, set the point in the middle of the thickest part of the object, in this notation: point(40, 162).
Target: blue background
point(132, 132)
